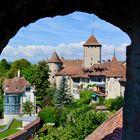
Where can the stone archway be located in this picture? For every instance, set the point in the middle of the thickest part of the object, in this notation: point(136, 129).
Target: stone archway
point(15, 14)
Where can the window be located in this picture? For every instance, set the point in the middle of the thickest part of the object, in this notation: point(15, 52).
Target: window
point(28, 89)
point(12, 104)
point(76, 80)
point(91, 64)
point(91, 58)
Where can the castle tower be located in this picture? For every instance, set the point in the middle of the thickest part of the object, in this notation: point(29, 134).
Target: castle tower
point(92, 52)
point(55, 65)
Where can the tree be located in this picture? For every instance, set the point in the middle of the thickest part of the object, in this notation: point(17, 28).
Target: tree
point(4, 68)
point(114, 104)
point(62, 95)
point(82, 121)
point(28, 107)
point(18, 64)
point(28, 73)
point(4, 64)
point(85, 98)
point(48, 115)
point(41, 81)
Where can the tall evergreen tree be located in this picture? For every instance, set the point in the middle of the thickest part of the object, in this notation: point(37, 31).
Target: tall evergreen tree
point(62, 95)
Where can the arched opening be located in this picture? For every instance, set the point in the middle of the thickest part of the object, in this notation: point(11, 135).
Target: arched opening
point(64, 35)
point(116, 12)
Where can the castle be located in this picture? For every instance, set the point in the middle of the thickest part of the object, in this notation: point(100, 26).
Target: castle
point(105, 79)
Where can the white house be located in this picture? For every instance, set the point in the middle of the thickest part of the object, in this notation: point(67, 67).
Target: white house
point(16, 92)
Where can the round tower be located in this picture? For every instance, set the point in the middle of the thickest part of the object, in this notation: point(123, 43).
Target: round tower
point(92, 52)
point(55, 65)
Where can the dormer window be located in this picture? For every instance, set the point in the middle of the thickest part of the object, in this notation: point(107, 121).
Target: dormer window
point(28, 89)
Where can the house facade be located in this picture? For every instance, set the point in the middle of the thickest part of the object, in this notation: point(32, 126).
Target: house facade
point(16, 92)
point(105, 79)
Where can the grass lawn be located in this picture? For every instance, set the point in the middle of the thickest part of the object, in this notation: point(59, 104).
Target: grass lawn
point(2, 126)
point(12, 129)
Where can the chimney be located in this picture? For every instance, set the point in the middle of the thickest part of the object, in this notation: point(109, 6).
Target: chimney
point(18, 73)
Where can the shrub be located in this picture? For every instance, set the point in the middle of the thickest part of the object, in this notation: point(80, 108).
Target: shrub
point(48, 115)
point(114, 104)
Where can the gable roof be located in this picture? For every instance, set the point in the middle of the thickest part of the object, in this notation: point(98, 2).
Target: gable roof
point(116, 69)
point(92, 41)
point(54, 58)
point(15, 85)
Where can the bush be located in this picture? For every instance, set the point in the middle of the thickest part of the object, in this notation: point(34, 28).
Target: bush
point(85, 98)
point(114, 104)
point(82, 123)
point(48, 115)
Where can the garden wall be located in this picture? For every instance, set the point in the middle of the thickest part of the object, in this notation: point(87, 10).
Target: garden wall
point(26, 132)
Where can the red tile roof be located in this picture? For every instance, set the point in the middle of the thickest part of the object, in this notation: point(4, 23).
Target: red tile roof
point(116, 69)
point(54, 58)
point(69, 70)
point(72, 62)
point(111, 129)
point(108, 69)
point(15, 85)
point(92, 41)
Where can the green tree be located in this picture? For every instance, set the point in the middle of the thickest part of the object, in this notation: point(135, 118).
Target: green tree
point(18, 64)
point(4, 68)
point(81, 122)
point(85, 98)
point(28, 73)
point(4, 64)
point(28, 107)
point(114, 104)
point(63, 95)
point(48, 115)
point(41, 81)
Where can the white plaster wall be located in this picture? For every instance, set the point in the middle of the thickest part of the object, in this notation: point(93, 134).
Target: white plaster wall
point(113, 88)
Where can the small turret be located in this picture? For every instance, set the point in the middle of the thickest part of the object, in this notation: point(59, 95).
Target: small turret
point(55, 64)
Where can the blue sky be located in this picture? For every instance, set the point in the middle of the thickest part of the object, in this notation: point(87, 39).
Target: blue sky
point(65, 34)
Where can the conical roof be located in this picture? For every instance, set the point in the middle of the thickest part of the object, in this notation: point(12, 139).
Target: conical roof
point(55, 58)
point(116, 68)
point(92, 41)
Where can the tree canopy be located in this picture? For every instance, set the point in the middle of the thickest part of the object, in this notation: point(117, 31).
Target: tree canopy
point(41, 81)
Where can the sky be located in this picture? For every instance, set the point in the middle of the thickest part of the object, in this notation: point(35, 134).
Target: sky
point(65, 35)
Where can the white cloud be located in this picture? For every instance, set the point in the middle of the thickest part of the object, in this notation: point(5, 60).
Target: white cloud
point(108, 51)
point(35, 53)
